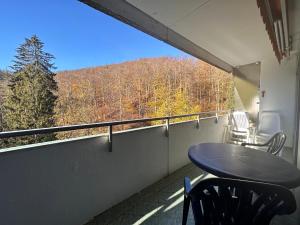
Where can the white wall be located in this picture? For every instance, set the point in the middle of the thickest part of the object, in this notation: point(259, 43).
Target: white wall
point(69, 182)
point(297, 142)
point(278, 82)
point(183, 135)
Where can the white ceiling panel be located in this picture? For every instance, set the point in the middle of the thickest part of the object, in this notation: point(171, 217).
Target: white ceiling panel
point(168, 11)
point(232, 30)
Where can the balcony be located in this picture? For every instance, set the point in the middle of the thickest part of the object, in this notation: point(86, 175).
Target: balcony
point(138, 182)
point(135, 176)
point(71, 181)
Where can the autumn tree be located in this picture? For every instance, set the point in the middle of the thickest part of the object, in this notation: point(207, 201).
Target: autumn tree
point(142, 88)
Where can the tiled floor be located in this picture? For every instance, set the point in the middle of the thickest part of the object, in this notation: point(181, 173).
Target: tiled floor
point(161, 203)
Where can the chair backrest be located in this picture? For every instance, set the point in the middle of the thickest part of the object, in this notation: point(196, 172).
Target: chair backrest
point(239, 121)
point(276, 143)
point(269, 123)
point(236, 202)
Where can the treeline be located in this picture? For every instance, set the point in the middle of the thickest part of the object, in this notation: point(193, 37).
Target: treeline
point(33, 96)
point(150, 87)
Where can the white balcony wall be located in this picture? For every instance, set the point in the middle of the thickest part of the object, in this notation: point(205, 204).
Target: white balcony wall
point(68, 182)
point(279, 83)
point(183, 135)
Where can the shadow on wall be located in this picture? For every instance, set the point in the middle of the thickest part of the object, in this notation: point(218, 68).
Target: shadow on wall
point(246, 81)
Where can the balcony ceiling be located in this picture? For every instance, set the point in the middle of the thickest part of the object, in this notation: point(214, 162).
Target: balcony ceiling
point(232, 30)
point(226, 34)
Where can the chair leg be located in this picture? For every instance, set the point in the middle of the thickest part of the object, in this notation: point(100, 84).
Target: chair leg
point(186, 205)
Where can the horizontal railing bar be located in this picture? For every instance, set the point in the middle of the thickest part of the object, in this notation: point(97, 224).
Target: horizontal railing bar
point(18, 133)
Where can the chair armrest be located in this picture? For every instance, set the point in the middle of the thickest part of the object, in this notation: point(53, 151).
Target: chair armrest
point(252, 144)
point(187, 185)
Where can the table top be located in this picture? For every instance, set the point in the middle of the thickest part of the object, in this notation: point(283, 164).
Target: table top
point(234, 161)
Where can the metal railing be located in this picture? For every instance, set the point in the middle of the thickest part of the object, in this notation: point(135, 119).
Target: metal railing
point(19, 133)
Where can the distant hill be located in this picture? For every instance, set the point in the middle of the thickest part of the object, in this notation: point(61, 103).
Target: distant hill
point(150, 87)
point(124, 67)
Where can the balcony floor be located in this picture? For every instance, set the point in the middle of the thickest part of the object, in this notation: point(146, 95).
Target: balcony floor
point(161, 203)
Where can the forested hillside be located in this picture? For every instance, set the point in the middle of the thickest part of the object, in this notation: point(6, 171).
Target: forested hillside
point(143, 88)
point(150, 87)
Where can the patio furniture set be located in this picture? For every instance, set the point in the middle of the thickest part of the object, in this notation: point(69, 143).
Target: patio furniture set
point(250, 186)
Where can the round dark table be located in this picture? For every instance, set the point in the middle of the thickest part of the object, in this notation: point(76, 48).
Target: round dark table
point(234, 161)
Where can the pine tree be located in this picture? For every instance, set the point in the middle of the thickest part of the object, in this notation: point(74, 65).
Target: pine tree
point(31, 96)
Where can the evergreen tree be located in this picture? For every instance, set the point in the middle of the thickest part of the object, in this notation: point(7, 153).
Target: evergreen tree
point(31, 95)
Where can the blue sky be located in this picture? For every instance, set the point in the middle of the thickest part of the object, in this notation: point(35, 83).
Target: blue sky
point(76, 34)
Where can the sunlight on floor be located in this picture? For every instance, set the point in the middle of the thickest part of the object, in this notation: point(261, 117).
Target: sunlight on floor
point(180, 191)
point(147, 216)
point(161, 203)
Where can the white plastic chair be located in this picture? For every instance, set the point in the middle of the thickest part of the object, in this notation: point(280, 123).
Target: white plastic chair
point(238, 127)
point(268, 125)
point(239, 121)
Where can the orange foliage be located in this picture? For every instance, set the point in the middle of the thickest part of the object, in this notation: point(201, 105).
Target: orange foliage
point(131, 90)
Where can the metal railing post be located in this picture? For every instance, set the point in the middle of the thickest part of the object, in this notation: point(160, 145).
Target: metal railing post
point(217, 118)
point(167, 127)
point(198, 122)
point(110, 138)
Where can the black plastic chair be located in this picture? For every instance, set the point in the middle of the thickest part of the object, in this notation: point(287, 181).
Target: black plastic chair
point(274, 144)
point(220, 201)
